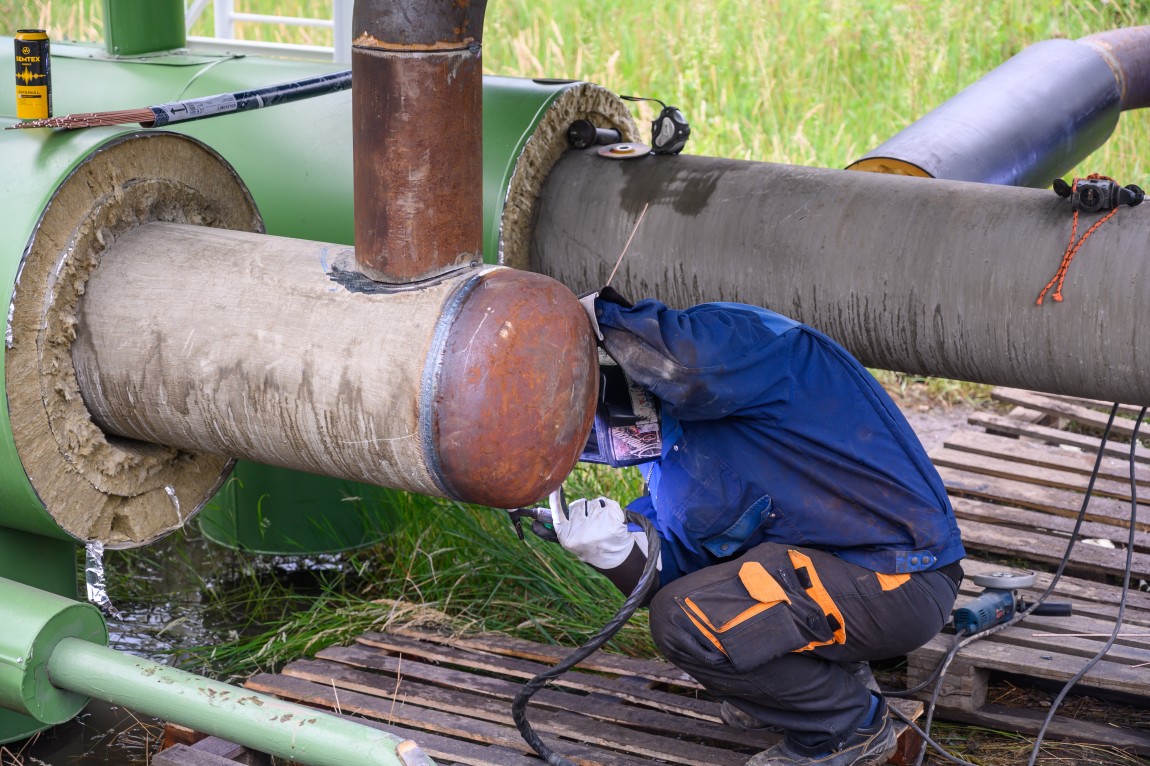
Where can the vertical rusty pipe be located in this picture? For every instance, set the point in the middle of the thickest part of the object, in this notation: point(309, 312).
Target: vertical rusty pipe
point(417, 136)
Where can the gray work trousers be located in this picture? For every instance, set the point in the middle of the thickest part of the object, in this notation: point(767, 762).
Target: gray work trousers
point(766, 632)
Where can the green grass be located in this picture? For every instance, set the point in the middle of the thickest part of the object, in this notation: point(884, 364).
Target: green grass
point(448, 565)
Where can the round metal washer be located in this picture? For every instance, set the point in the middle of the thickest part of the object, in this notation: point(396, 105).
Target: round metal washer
point(624, 151)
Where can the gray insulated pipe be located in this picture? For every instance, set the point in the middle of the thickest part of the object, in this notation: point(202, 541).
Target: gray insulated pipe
point(925, 276)
point(1030, 120)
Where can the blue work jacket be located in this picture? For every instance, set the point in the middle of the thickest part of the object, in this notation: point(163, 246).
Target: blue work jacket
point(772, 432)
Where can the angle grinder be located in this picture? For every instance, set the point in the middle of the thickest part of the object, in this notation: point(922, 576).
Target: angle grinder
point(1000, 601)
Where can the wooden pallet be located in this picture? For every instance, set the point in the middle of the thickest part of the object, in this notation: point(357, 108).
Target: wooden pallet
point(453, 695)
point(1017, 483)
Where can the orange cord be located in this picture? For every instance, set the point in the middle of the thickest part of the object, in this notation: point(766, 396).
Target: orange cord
point(1072, 248)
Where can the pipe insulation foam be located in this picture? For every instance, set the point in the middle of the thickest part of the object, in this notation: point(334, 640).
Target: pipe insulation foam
point(99, 487)
point(584, 101)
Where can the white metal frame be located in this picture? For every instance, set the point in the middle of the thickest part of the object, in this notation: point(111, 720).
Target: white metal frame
point(225, 31)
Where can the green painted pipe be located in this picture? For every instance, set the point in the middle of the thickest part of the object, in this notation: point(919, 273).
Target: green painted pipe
point(35, 622)
point(137, 27)
point(283, 729)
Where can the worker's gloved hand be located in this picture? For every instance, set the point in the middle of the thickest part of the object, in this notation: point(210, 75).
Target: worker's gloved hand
point(611, 295)
point(596, 531)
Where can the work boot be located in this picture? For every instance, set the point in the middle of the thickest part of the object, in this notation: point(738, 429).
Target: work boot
point(740, 719)
point(869, 746)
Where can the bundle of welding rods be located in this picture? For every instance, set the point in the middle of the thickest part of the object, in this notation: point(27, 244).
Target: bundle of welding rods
point(200, 108)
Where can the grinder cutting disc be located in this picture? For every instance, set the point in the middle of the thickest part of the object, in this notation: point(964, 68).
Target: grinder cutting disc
point(624, 151)
point(1005, 580)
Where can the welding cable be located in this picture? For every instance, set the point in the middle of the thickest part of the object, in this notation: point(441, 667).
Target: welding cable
point(637, 598)
point(1121, 602)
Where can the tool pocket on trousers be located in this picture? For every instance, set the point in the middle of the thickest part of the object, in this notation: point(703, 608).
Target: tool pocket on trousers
point(753, 619)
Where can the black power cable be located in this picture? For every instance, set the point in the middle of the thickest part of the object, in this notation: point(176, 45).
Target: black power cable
point(638, 596)
point(962, 640)
point(1121, 602)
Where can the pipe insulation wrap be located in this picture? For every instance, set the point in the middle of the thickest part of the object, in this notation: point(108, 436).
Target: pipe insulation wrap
point(1025, 123)
point(284, 354)
point(919, 275)
point(537, 154)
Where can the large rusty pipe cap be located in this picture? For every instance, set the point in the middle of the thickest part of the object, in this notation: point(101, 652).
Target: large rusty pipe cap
point(516, 380)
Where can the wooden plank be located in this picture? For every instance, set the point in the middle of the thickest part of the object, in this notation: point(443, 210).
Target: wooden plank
point(1085, 416)
point(1023, 721)
point(231, 751)
point(461, 751)
point(1031, 474)
point(183, 755)
point(656, 670)
point(1057, 501)
point(455, 725)
point(595, 707)
point(556, 721)
point(523, 669)
point(1126, 651)
point(1060, 526)
point(1085, 442)
point(1039, 663)
point(1035, 546)
point(1043, 456)
point(1126, 410)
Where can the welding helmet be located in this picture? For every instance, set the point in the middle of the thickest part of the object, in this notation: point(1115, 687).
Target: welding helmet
point(626, 428)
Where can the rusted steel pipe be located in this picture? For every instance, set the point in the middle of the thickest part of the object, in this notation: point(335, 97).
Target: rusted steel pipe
point(417, 110)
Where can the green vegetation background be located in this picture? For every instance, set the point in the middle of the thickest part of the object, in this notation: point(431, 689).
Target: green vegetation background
point(809, 82)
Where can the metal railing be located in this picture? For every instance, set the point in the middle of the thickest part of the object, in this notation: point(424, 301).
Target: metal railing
point(226, 17)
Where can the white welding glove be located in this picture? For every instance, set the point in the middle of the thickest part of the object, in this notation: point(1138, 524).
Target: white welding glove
point(596, 532)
